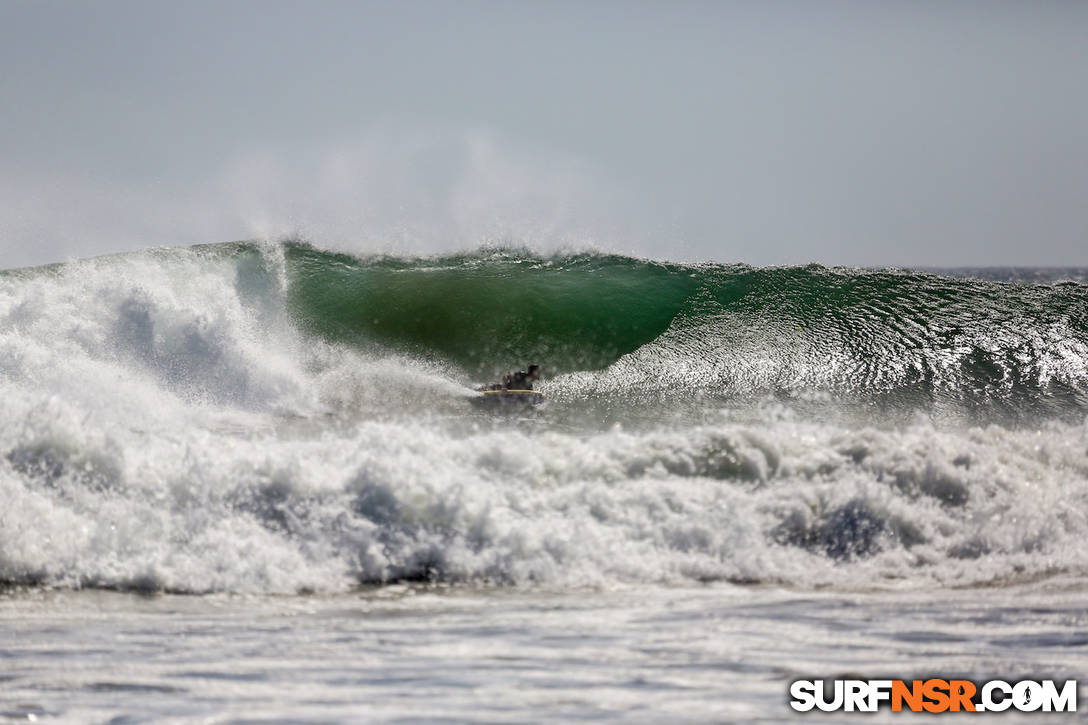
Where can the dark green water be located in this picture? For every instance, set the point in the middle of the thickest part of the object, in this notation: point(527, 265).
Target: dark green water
point(716, 328)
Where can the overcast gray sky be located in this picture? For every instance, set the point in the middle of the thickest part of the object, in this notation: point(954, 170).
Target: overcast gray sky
point(870, 132)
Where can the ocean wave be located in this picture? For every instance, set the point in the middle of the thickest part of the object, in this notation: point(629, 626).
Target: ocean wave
point(721, 329)
point(276, 418)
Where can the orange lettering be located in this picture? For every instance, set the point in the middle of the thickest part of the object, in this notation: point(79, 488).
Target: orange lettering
point(961, 692)
point(937, 692)
point(912, 695)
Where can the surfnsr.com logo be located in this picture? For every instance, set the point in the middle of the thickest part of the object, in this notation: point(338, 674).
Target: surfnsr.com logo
point(933, 695)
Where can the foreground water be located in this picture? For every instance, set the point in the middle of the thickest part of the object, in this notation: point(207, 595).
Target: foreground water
point(246, 482)
point(710, 654)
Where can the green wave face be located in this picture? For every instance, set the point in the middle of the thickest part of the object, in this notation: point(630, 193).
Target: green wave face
point(896, 336)
point(491, 311)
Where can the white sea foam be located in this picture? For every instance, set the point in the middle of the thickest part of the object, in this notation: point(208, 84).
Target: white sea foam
point(165, 427)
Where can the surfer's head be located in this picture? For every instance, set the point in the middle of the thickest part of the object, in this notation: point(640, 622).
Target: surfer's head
point(534, 372)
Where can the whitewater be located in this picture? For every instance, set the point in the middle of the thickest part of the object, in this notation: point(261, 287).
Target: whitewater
point(245, 482)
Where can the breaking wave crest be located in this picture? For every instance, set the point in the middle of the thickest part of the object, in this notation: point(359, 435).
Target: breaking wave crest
point(248, 417)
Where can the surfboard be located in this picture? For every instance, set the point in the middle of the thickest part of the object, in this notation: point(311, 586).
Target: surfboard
point(508, 398)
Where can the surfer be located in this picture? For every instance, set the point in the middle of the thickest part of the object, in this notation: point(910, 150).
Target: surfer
point(522, 379)
point(515, 392)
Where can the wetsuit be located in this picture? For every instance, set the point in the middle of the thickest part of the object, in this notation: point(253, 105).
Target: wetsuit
point(520, 381)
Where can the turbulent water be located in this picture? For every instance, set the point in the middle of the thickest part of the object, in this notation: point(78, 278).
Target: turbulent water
point(277, 418)
point(740, 476)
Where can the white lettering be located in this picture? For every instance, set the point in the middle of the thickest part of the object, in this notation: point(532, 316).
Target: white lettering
point(988, 701)
point(836, 702)
point(856, 696)
point(803, 693)
point(1027, 696)
point(879, 691)
point(1064, 701)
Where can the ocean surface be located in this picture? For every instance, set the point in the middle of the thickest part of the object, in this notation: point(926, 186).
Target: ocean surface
point(246, 483)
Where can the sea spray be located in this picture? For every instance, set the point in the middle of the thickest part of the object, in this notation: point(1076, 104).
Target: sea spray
point(276, 418)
